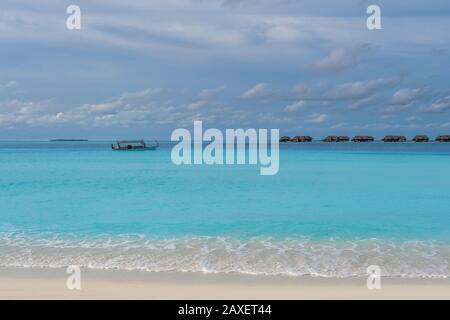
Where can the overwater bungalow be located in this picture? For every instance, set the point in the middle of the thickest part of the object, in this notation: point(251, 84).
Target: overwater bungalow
point(421, 138)
point(336, 139)
point(301, 139)
point(394, 139)
point(134, 145)
point(363, 139)
point(444, 138)
point(285, 139)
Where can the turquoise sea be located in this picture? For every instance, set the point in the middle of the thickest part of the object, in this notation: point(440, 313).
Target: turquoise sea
point(332, 210)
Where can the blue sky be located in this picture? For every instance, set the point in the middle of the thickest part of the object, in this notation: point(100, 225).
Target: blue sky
point(144, 68)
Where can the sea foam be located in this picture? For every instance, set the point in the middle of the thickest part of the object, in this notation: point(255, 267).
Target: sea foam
point(299, 256)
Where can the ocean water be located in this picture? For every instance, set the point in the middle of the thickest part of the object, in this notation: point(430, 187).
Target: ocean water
point(331, 211)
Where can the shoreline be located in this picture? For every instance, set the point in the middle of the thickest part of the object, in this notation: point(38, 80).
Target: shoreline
point(48, 283)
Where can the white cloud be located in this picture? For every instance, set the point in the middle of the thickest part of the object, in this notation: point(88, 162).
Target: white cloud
point(261, 39)
point(8, 85)
point(338, 125)
point(196, 105)
point(210, 93)
point(338, 59)
point(283, 32)
point(129, 109)
point(295, 106)
point(407, 96)
point(149, 92)
point(358, 90)
point(15, 112)
point(180, 26)
point(256, 92)
point(360, 103)
point(316, 118)
point(439, 105)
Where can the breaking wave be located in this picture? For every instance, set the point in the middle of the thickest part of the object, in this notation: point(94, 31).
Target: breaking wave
point(256, 256)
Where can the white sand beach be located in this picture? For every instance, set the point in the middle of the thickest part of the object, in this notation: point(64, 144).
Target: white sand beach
point(51, 284)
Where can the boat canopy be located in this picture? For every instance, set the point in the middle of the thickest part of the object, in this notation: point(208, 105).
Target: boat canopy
point(124, 143)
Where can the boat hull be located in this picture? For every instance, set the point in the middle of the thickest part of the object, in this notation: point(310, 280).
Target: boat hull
point(134, 149)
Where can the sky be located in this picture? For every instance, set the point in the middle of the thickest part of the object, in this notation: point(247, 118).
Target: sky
point(140, 69)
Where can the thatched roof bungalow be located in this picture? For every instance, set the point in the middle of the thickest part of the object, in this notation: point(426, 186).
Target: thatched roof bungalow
point(394, 139)
point(301, 139)
point(421, 138)
point(285, 139)
point(444, 138)
point(363, 139)
point(336, 139)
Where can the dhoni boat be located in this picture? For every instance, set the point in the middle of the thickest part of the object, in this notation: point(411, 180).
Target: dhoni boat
point(134, 145)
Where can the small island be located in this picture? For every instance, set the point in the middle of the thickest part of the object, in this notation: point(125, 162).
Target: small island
point(68, 140)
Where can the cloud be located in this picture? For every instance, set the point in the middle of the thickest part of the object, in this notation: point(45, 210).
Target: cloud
point(361, 103)
point(338, 125)
point(253, 29)
point(135, 109)
point(14, 112)
point(196, 105)
point(140, 108)
point(358, 93)
point(440, 105)
point(283, 32)
point(8, 85)
point(358, 90)
point(258, 91)
point(295, 106)
point(175, 107)
point(407, 96)
point(339, 59)
point(149, 92)
point(316, 118)
point(206, 94)
point(256, 41)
